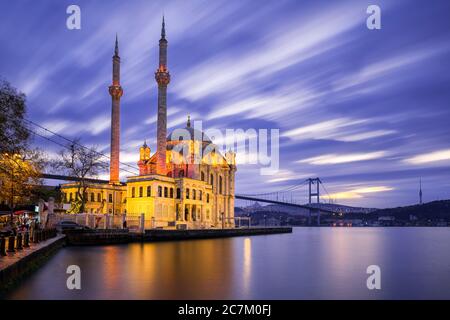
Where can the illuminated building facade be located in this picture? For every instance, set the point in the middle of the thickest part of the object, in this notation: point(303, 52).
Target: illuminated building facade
point(186, 182)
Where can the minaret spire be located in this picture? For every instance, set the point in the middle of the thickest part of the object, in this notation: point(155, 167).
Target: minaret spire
point(115, 90)
point(163, 29)
point(162, 77)
point(116, 48)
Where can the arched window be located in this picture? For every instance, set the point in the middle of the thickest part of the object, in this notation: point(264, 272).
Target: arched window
point(159, 191)
point(149, 191)
point(166, 191)
point(99, 197)
point(207, 198)
point(141, 192)
point(110, 198)
point(171, 192)
point(203, 176)
point(220, 185)
point(181, 173)
point(71, 197)
point(200, 195)
point(178, 193)
point(92, 197)
point(187, 193)
point(133, 192)
point(194, 193)
point(211, 180)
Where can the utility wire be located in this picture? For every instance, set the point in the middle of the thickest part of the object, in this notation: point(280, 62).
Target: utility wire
point(67, 147)
point(76, 143)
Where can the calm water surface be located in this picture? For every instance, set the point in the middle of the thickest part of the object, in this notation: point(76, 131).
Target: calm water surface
point(310, 263)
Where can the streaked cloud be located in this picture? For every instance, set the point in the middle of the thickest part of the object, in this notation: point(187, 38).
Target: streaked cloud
point(359, 192)
point(323, 130)
point(343, 158)
point(432, 157)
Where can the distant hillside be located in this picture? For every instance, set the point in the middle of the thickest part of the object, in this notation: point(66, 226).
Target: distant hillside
point(430, 210)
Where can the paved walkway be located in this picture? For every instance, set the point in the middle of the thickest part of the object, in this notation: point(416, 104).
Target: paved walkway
point(12, 258)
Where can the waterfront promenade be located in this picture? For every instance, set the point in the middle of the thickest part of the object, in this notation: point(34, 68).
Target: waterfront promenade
point(16, 264)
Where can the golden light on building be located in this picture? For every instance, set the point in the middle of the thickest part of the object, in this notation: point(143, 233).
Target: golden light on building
point(186, 183)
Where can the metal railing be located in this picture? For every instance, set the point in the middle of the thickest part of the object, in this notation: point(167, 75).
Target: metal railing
point(9, 245)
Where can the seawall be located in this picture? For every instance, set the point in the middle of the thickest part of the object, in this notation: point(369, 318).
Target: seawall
point(15, 266)
point(101, 237)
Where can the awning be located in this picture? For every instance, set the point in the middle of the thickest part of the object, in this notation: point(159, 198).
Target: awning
point(23, 212)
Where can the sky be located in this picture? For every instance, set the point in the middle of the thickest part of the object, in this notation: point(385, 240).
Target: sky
point(367, 111)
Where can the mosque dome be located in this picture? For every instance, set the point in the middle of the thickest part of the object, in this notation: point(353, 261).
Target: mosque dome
point(188, 133)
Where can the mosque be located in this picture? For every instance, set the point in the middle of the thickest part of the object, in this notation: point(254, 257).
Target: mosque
point(186, 183)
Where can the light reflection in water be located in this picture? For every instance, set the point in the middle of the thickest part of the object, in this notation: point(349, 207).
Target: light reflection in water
point(247, 265)
point(321, 263)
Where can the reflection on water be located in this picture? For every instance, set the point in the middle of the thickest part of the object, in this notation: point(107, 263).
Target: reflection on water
point(311, 263)
point(247, 265)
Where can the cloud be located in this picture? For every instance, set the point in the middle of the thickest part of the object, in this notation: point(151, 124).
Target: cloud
point(346, 158)
point(359, 192)
point(364, 135)
point(385, 66)
point(323, 130)
point(282, 47)
point(93, 127)
point(269, 106)
point(436, 156)
point(288, 175)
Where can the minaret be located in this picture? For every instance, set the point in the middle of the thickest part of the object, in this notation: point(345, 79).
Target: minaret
point(162, 77)
point(115, 90)
point(420, 191)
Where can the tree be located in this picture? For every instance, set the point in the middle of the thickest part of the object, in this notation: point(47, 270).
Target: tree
point(14, 133)
point(80, 162)
point(20, 173)
point(20, 167)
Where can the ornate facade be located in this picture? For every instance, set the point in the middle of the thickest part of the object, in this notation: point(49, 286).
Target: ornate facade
point(186, 183)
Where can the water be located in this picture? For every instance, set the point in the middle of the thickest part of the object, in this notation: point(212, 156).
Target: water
point(311, 263)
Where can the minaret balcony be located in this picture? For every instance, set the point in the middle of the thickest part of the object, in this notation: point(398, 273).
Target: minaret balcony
point(115, 91)
point(162, 77)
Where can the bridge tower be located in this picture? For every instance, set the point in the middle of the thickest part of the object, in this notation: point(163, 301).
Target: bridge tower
point(312, 182)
